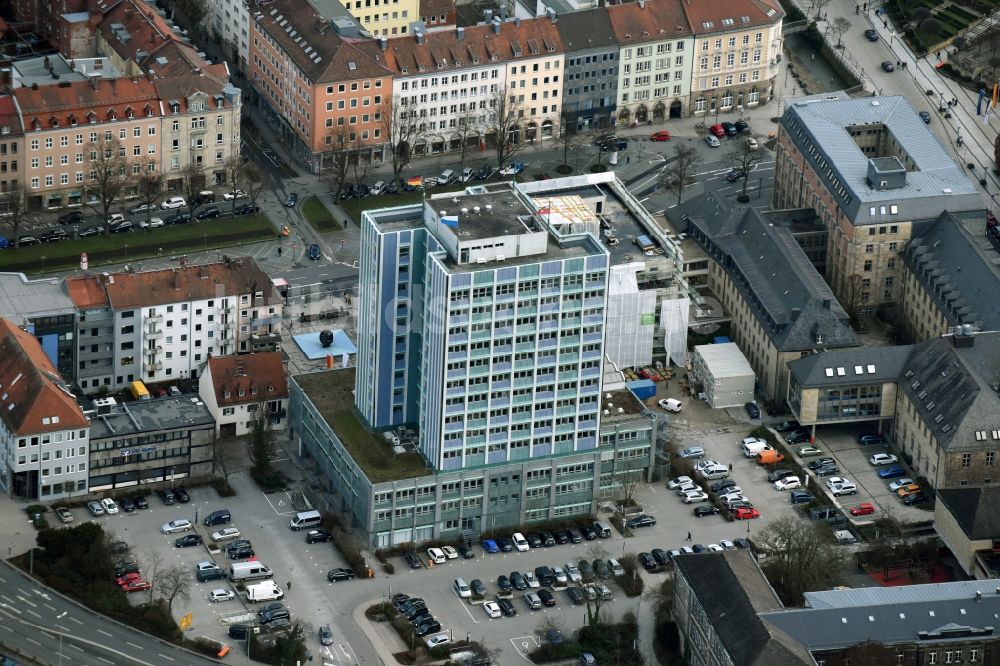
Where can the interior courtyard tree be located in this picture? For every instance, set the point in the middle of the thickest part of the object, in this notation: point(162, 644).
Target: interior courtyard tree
point(503, 122)
point(260, 439)
point(109, 175)
point(799, 557)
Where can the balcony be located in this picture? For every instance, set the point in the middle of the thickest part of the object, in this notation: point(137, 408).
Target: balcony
point(154, 319)
point(152, 367)
point(154, 335)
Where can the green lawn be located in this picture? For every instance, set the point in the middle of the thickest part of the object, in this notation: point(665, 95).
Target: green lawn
point(318, 215)
point(331, 392)
point(140, 244)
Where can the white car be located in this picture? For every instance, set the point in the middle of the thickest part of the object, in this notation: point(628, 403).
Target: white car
point(708, 462)
point(179, 525)
point(450, 552)
point(671, 405)
point(752, 143)
point(788, 483)
point(730, 499)
point(841, 486)
point(693, 496)
point(727, 544)
point(883, 459)
point(436, 555)
point(685, 488)
point(714, 548)
point(678, 481)
point(115, 218)
point(225, 534)
point(730, 490)
point(520, 543)
point(492, 609)
point(221, 594)
point(154, 223)
point(900, 483)
point(109, 505)
point(560, 575)
point(573, 572)
point(173, 202)
point(238, 194)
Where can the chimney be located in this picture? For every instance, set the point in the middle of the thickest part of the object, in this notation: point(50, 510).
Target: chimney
point(827, 304)
point(795, 313)
point(93, 82)
point(383, 41)
point(642, 4)
point(496, 26)
point(460, 33)
point(419, 36)
point(979, 595)
point(552, 14)
point(517, 21)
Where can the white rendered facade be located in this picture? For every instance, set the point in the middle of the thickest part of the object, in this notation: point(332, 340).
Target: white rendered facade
point(59, 458)
point(230, 20)
point(653, 78)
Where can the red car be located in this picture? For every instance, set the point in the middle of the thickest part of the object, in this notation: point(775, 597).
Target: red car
point(127, 579)
point(746, 514)
point(649, 373)
point(136, 586)
point(863, 509)
point(662, 135)
point(717, 130)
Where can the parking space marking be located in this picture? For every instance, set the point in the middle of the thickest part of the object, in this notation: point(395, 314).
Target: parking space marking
point(523, 644)
point(465, 607)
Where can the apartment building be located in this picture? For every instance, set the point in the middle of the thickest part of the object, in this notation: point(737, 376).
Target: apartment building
point(781, 309)
point(590, 80)
point(11, 148)
point(166, 324)
point(385, 18)
point(874, 174)
point(65, 124)
point(737, 51)
point(950, 277)
point(234, 388)
point(322, 80)
point(44, 435)
point(94, 336)
point(654, 72)
point(201, 127)
point(229, 21)
point(534, 76)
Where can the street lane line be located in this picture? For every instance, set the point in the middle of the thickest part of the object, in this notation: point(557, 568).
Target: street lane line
point(30, 603)
point(33, 613)
point(138, 647)
point(467, 612)
point(29, 638)
point(165, 656)
point(50, 607)
point(101, 631)
point(80, 622)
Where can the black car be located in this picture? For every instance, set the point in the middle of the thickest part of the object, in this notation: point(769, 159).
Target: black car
point(547, 538)
point(392, 187)
point(742, 126)
point(126, 568)
point(90, 231)
point(785, 426)
point(363, 190)
point(505, 544)
point(647, 561)
point(547, 597)
point(483, 173)
point(797, 436)
point(662, 556)
point(925, 116)
point(517, 580)
point(246, 209)
point(705, 510)
point(732, 177)
point(561, 536)
point(415, 610)
point(211, 574)
point(188, 540)
point(575, 536)
point(507, 606)
point(828, 470)
point(742, 544)
point(729, 129)
point(753, 411)
point(407, 604)
point(422, 617)
point(601, 568)
point(819, 462)
point(779, 474)
point(318, 536)
point(504, 584)
point(178, 218)
point(915, 498)
point(120, 227)
point(72, 217)
point(887, 66)
point(167, 495)
point(140, 501)
point(589, 532)
point(239, 632)
point(534, 539)
point(182, 495)
point(53, 235)
point(241, 554)
point(477, 587)
point(238, 544)
point(641, 521)
point(413, 561)
point(126, 503)
point(719, 486)
point(871, 35)
point(337, 575)
point(698, 548)
point(466, 552)
point(427, 628)
point(25, 241)
point(291, 199)
point(209, 213)
point(267, 617)
point(575, 595)
point(586, 570)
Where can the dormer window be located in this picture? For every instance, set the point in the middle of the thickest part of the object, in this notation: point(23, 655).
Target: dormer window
point(253, 391)
point(227, 394)
point(129, 113)
point(53, 121)
point(112, 115)
point(36, 124)
point(91, 117)
point(72, 120)
point(149, 111)
point(243, 392)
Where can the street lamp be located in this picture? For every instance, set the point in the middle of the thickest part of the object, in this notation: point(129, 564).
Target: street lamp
point(43, 263)
point(126, 252)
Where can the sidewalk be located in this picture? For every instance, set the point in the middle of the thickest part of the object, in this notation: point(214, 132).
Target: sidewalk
point(383, 638)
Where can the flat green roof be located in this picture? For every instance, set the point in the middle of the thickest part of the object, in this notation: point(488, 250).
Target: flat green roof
point(332, 393)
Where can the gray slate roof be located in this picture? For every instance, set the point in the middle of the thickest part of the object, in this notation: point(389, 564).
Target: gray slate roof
point(21, 298)
point(832, 628)
point(902, 594)
point(785, 293)
point(957, 271)
point(934, 184)
point(586, 30)
point(732, 591)
point(976, 510)
point(839, 368)
point(953, 388)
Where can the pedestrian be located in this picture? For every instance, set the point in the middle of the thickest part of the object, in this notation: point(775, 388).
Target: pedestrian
point(898, 64)
point(730, 468)
point(885, 24)
point(289, 586)
point(865, 6)
point(794, 89)
point(627, 159)
point(938, 54)
point(856, 10)
point(813, 54)
point(345, 223)
point(689, 536)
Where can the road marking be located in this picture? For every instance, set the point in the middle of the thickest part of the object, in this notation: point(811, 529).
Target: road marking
point(101, 631)
point(51, 608)
point(28, 638)
point(106, 661)
point(76, 620)
point(138, 647)
point(30, 603)
point(467, 611)
point(34, 613)
point(4, 626)
point(75, 647)
point(164, 656)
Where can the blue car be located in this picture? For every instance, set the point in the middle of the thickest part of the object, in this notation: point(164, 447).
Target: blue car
point(891, 472)
point(490, 546)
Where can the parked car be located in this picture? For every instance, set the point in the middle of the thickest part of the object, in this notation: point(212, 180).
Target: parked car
point(208, 213)
point(678, 481)
point(25, 241)
point(178, 218)
point(670, 405)
point(915, 498)
point(891, 472)
point(173, 202)
point(53, 235)
point(883, 459)
point(339, 574)
point(717, 130)
point(692, 452)
point(801, 497)
point(753, 411)
point(752, 144)
point(819, 462)
point(548, 599)
point(64, 514)
point(490, 546)
point(140, 501)
point(871, 35)
point(746, 514)
point(867, 438)
point(840, 486)
point(887, 66)
point(221, 594)
point(110, 506)
point(413, 561)
point(705, 510)
point(808, 451)
point(785, 426)
point(779, 474)
point(492, 609)
point(662, 135)
point(787, 483)
point(640, 521)
point(178, 525)
point(863, 509)
point(504, 584)
point(900, 483)
point(512, 169)
point(238, 194)
point(797, 436)
point(291, 199)
point(187, 541)
point(712, 141)
point(318, 536)
point(153, 223)
point(95, 508)
point(71, 217)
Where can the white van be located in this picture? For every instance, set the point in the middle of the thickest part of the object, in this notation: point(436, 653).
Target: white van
point(266, 591)
point(249, 571)
point(751, 446)
point(305, 519)
point(447, 177)
point(461, 588)
point(378, 188)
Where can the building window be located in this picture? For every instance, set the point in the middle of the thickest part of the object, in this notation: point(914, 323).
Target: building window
point(966, 460)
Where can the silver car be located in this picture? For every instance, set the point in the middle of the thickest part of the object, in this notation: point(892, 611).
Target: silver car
point(95, 508)
point(533, 600)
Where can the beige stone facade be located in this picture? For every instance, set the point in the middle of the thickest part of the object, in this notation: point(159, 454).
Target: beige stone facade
point(923, 318)
point(200, 128)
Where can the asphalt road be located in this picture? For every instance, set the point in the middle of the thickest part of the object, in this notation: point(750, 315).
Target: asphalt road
point(43, 624)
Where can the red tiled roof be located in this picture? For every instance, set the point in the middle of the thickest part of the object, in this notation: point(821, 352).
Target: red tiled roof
point(257, 377)
point(33, 397)
point(74, 101)
point(442, 50)
point(178, 285)
point(86, 292)
point(178, 88)
point(649, 22)
point(710, 16)
point(9, 117)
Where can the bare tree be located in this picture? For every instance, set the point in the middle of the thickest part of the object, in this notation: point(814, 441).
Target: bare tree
point(255, 181)
point(467, 127)
point(228, 456)
point(172, 584)
point(839, 26)
point(564, 138)
point(597, 552)
point(799, 557)
point(677, 175)
point(235, 171)
point(149, 187)
point(192, 182)
point(594, 606)
point(340, 160)
point(503, 121)
point(154, 562)
point(360, 165)
point(14, 211)
point(400, 129)
point(818, 5)
point(853, 295)
point(745, 162)
point(109, 175)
